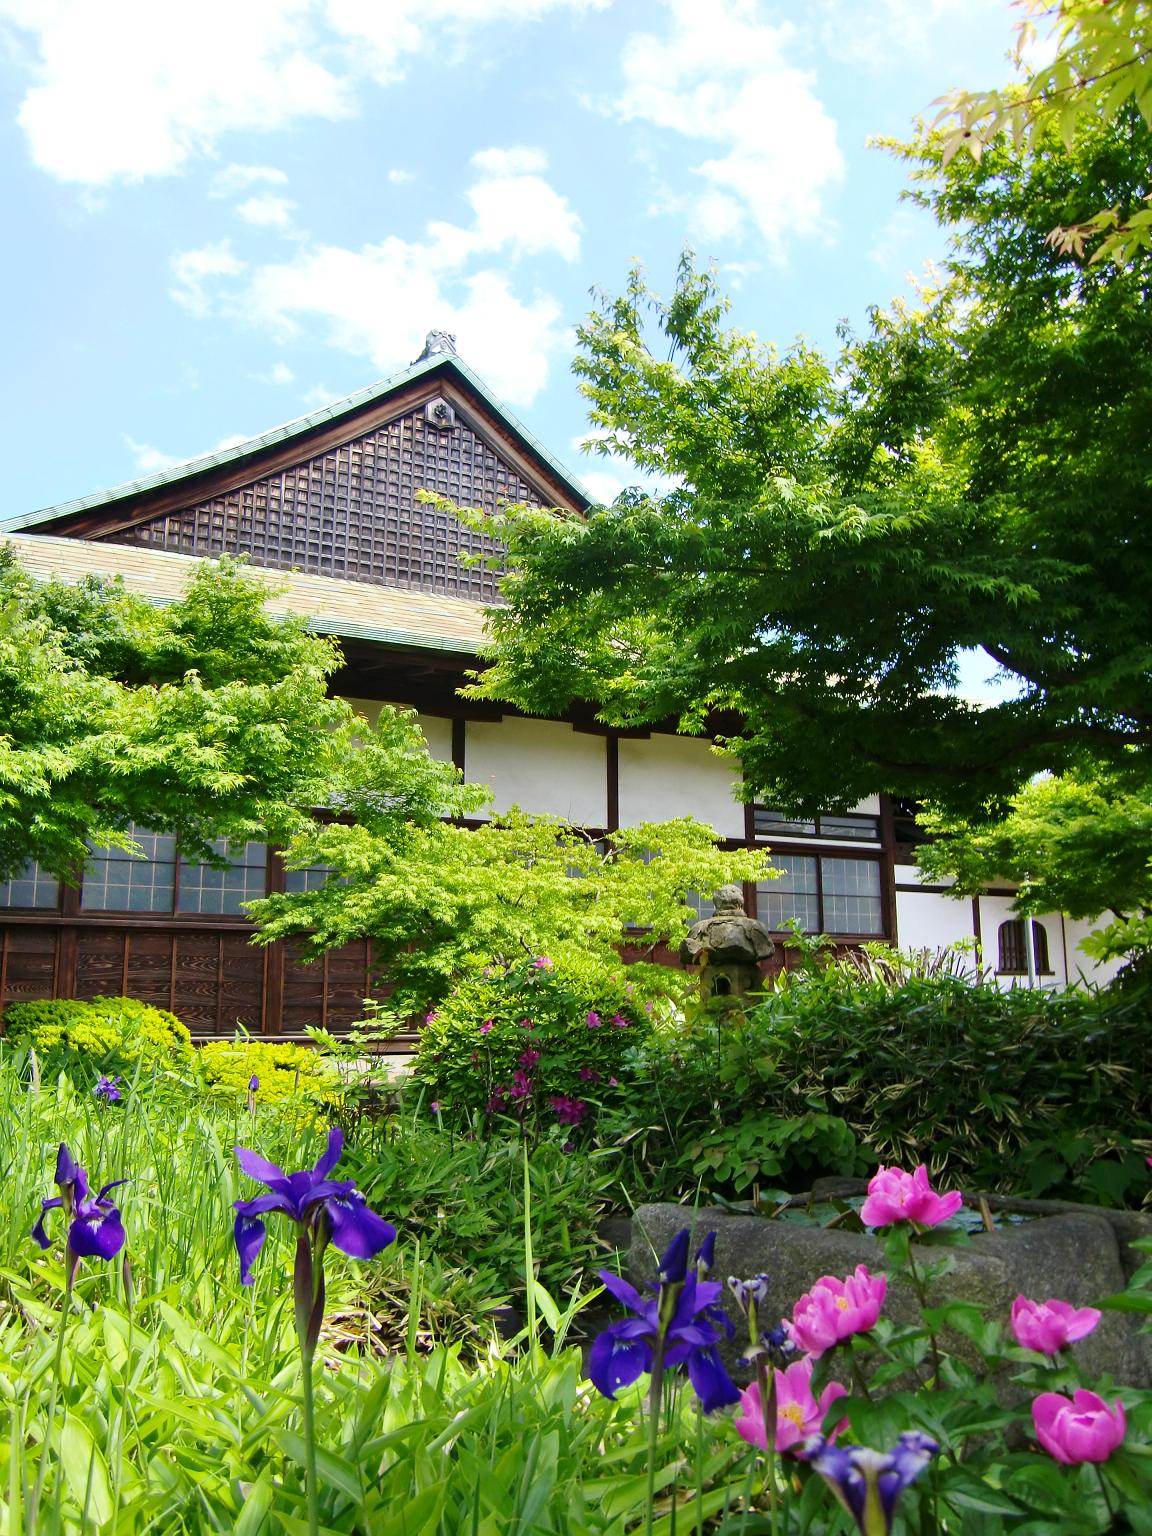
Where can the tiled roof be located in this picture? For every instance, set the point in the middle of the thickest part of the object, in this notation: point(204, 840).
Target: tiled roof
point(437, 362)
point(332, 606)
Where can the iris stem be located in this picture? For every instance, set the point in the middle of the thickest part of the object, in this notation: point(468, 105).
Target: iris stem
point(655, 1398)
point(57, 1373)
point(313, 1492)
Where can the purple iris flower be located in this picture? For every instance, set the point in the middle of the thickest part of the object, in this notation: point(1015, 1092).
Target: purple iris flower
point(253, 1084)
point(868, 1483)
point(95, 1230)
point(327, 1210)
point(108, 1089)
point(674, 1327)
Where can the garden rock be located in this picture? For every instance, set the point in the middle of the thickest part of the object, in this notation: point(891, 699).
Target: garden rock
point(1073, 1257)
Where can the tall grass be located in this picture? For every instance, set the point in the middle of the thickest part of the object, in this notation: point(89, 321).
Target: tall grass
point(179, 1404)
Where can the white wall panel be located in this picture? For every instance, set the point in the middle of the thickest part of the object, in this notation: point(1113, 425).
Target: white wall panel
point(928, 920)
point(437, 730)
point(663, 777)
point(541, 766)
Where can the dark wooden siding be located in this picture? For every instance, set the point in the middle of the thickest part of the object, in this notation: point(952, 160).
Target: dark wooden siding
point(211, 976)
point(351, 512)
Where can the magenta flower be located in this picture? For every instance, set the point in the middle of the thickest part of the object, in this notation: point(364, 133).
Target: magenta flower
point(894, 1196)
point(593, 1021)
point(568, 1111)
point(527, 1024)
point(589, 1075)
point(620, 1021)
point(521, 1088)
point(496, 1102)
point(798, 1415)
point(95, 1230)
point(1050, 1326)
point(528, 1059)
point(833, 1310)
point(541, 963)
point(1083, 1429)
point(486, 1026)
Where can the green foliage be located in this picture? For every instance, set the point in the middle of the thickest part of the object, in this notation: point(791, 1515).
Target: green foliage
point(115, 1035)
point(461, 1197)
point(759, 1147)
point(207, 718)
point(972, 473)
point(285, 1071)
point(1023, 1092)
point(1097, 63)
point(441, 900)
point(570, 1027)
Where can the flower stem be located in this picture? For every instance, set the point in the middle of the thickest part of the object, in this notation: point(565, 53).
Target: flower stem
point(655, 1396)
point(766, 1380)
point(1104, 1491)
point(921, 1290)
point(57, 1372)
point(313, 1492)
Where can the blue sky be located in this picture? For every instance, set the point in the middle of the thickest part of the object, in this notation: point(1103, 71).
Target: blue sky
point(222, 216)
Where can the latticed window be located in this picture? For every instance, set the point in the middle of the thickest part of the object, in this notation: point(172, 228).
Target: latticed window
point(823, 894)
point(219, 892)
point(31, 888)
point(1012, 960)
point(116, 881)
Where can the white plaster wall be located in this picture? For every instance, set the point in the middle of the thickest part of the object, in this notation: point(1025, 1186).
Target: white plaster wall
point(1080, 965)
point(869, 807)
point(995, 910)
point(929, 920)
point(540, 765)
point(437, 730)
point(663, 777)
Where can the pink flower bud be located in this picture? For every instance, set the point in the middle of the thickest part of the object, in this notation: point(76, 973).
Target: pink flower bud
point(835, 1309)
point(894, 1195)
point(1050, 1326)
point(1083, 1429)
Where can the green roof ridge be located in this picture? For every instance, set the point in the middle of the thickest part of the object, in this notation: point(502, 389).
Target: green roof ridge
point(295, 428)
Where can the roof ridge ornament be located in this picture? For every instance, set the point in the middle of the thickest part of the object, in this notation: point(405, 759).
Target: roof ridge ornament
point(437, 342)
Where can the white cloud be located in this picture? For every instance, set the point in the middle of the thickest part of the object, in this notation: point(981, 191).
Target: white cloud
point(400, 178)
point(191, 269)
point(720, 77)
point(267, 210)
point(379, 300)
point(279, 373)
point(234, 179)
point(128, 89)
point(151, 461)
point(873, 34)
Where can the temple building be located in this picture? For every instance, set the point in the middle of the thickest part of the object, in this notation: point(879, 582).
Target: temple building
point(327, 506)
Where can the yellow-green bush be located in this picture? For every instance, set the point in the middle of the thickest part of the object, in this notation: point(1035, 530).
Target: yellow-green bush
point(108, 1034)
point(284, 1070)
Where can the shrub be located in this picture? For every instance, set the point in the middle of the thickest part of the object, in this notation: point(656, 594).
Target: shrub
point(1026, 1092)
point(284, 1070)
point(106, 1034)
point(536, 1038)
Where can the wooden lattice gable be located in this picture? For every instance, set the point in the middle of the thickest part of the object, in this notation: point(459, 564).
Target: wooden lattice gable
point(335, 494)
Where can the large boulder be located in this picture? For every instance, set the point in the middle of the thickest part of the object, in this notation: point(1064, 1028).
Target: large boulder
point(1072, 1257)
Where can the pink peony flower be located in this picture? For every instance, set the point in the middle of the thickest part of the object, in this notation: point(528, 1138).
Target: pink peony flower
point(798, 1414)
point(541, 963)
point(1083, 1429)
point(894, 1195)
point(593, 1021)
point(1050, 1326)
point(836, 1309)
